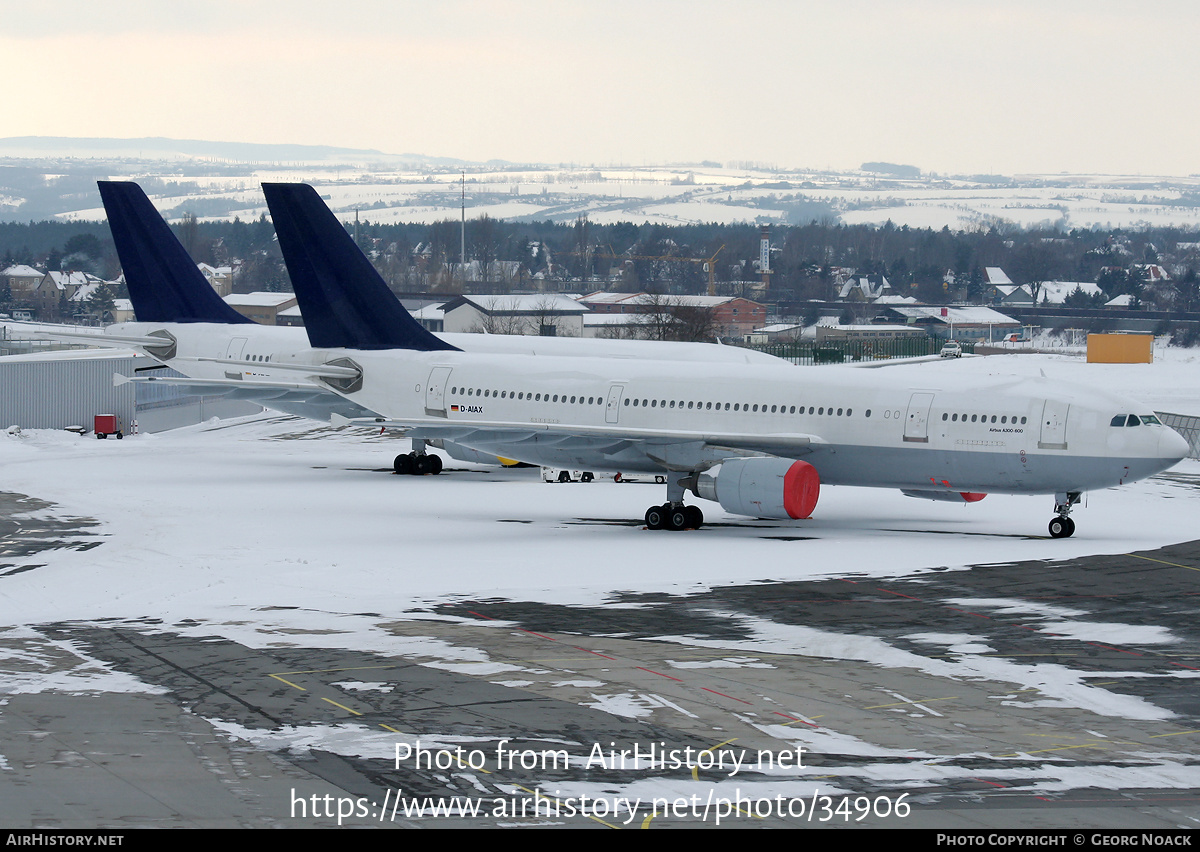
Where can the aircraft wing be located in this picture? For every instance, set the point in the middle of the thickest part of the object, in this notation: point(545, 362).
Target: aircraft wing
point(299, 398)
point(651, 450)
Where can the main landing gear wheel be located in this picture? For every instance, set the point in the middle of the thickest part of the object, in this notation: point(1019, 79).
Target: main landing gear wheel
point(673, 514)
point(417, 464)
point(1062, 528)
point(674, 517)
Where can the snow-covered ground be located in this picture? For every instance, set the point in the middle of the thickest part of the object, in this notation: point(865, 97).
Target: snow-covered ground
point(697, 194)
point(202, 521)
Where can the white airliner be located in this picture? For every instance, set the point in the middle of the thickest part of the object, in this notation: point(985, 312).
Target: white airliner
point(184, 325)
point(759, 439)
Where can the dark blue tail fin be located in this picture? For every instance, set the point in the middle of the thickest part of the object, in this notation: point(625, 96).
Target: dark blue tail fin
point(344, 301)
point(164, 284)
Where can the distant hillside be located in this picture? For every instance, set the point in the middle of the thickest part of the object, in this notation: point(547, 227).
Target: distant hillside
point(894, 169)
point(160, 148)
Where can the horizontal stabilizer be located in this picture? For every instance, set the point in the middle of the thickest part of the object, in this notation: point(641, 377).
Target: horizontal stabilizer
point(346, 305)
point(328, 371)
point(207, 384)
point(108, 340)
point(164, 283)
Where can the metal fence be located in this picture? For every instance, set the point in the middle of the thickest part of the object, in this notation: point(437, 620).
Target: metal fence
point(807, 353)
point(28, 345)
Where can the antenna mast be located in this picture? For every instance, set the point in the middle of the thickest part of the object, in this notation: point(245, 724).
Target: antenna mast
point(462, 235)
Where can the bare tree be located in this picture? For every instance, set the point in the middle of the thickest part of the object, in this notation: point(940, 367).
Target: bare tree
point(656, 322)
point(547, 320)
point(500, 317)
point(694, 323)
point(673, 318)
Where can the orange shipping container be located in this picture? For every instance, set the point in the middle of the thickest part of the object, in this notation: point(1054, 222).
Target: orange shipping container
point(1120, 348)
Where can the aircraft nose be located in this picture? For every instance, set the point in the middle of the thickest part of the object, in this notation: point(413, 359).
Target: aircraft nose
point(1172, 445)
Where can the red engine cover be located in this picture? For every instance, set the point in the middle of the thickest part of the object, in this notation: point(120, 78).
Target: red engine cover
point(764, 487)
point(801, 488)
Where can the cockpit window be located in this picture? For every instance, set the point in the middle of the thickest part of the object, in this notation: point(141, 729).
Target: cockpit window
point(1136, 420)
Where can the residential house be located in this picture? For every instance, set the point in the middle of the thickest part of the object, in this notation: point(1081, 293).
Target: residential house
point(220, 277)
point(262, 307)
point(961, 323)
point(544, 314)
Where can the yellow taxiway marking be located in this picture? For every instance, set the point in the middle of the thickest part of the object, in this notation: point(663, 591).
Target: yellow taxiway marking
point(914, 701)
point(696, 777)
point(1162, 561)
point(343, 706)
point(1060, 748)
point(709, 750)
point(288, 682)
point(805, 721)
point(1176, 734)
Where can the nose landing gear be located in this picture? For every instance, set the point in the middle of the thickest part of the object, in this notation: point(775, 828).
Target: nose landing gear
point(1061, 526)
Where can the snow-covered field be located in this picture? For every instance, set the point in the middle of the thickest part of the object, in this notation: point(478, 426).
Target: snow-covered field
point(695, 194)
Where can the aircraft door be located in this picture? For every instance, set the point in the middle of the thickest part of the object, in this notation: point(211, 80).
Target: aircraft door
point(1054, 425)
point(916, 423)
point(612, 411)
point(435, 391)
point(236, 345)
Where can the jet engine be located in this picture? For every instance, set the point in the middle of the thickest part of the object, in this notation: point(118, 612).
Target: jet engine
point(762, 487)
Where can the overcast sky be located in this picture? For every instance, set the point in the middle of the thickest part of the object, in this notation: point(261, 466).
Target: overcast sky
point(961, 86)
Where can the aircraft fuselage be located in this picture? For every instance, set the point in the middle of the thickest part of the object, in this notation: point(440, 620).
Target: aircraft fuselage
point(920, 429)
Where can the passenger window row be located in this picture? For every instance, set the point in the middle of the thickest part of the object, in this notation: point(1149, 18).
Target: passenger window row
point(691, 405)
point(756, 408)
point(522, 395)
point(983, 418)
